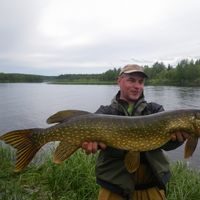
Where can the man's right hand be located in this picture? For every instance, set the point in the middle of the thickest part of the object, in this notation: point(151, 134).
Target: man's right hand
point(92, 147)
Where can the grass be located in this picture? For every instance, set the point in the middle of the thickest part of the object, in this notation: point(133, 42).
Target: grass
point(184, 184)
point(74, 179)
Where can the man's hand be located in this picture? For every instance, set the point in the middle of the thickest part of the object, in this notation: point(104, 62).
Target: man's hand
point(180, 136)
point(92, 147)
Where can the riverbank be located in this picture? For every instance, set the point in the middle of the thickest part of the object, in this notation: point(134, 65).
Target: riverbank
point(148, 83)
point(186, 73)
point(83, 82)
point(74, 179)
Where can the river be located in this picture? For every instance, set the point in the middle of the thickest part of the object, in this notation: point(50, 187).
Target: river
point(28, 105)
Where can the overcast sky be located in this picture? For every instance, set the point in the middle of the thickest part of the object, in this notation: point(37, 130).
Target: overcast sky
point(53, 37)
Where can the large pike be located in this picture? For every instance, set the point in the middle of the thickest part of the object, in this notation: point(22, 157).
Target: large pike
point(134, 134)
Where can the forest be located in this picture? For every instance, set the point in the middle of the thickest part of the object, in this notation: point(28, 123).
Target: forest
point(185, 73)
point(20, 78)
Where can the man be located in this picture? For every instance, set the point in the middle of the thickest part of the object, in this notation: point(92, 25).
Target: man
point(149, 180)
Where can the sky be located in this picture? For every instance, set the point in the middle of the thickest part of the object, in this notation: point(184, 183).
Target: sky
point(53, 37)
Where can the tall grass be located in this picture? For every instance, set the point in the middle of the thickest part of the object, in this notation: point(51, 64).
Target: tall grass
point(74, 179)
point(184, 184)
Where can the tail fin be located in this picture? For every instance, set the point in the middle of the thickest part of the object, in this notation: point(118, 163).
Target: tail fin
point(25, 143)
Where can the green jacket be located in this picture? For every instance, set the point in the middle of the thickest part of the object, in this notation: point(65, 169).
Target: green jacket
point(110, 170)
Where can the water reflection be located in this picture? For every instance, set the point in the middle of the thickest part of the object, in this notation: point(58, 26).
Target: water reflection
point(174, 97)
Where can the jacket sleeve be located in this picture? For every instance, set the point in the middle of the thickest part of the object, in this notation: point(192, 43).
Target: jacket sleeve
point(106, 110)
point(171, 145)
point(102, 110)
point(154, 107)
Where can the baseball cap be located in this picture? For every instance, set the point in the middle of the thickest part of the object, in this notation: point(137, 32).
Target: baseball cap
point(132, 68)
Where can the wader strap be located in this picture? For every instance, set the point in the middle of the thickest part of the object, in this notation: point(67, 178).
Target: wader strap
point(149, 185)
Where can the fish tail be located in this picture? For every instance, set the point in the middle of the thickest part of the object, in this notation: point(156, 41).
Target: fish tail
point(26, 144)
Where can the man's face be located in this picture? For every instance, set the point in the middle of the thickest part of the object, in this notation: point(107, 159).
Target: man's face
point(131, 86)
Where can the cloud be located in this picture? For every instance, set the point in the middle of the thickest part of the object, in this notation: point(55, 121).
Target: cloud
point(73, 36)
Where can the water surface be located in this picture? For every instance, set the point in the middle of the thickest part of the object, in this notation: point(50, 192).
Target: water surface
point(25, 105)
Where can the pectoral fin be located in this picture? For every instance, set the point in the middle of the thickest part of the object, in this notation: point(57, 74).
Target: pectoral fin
point(132, 161)
point(190, 146)
point(64, 115)
point(63, 151)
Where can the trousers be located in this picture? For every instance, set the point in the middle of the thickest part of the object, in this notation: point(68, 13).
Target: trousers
point(148, 194)
point(143, 175)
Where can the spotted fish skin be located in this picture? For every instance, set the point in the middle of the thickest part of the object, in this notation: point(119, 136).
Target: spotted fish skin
point(134, 134)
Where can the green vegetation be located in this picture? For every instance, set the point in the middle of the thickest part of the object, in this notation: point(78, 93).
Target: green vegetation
point(108, 77)
point(184, 184)
point(186, 73)
point(19, 78)
point(74, 179)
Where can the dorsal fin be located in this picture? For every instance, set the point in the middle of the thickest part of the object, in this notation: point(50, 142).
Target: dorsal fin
point(65, 115)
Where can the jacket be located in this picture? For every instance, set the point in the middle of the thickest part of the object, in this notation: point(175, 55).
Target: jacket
point(110, 170)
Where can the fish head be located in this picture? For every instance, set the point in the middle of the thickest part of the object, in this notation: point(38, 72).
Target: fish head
point(197, 122)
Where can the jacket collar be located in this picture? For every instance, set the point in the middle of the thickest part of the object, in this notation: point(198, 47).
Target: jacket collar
point(122, 106)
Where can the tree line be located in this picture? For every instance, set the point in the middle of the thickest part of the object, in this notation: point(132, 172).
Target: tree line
point(20, 78)
point(110, 76)
point(186, 73)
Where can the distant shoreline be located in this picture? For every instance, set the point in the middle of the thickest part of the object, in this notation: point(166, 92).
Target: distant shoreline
point(83, 83)
point(185, 74)
point(104, 83)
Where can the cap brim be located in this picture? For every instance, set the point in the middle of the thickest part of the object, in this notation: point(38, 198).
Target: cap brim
point(134, 71)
